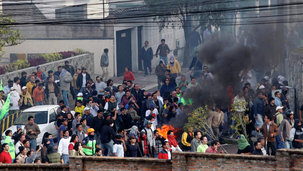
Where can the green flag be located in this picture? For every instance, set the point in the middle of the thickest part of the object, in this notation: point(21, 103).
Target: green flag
point(5, 107)
point(1, 86)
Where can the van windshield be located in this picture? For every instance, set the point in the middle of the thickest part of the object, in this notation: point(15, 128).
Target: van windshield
point(40, 117)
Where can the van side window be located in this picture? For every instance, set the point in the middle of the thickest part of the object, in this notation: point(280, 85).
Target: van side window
point(52, 116)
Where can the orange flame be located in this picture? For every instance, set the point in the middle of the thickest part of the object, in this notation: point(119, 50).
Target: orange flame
point(164, 129)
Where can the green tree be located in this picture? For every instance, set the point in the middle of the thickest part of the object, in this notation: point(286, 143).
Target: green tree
point(8, 35)
point(188, 14)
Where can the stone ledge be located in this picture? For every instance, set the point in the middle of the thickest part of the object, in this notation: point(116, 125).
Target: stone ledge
point(116, 159)
point(226, 156)
point(55, 166)
point(291, 151)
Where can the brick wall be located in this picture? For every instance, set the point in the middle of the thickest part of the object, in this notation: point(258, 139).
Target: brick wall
point(118, 164)
point(285, 160)
point(198, 161)
point(34, 167)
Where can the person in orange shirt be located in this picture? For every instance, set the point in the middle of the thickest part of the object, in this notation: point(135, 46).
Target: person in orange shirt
point(38, 95)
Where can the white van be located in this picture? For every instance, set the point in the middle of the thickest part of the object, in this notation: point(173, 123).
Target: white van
point(44, 117)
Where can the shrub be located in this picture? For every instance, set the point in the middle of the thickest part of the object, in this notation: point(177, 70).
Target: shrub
point(2, 70)
point(19, 64)
point(49, 57)
point(36, 61)
point(67, 54)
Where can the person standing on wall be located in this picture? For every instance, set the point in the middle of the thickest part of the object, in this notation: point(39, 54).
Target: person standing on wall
point(164, 51)
point(147, 56)
point(104, 62)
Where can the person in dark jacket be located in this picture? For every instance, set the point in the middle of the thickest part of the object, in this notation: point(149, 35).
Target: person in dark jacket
point(257, 150)
point(160, 72)
point(166, 88)
point(133, 148)
point(259, 109)
point(196, 65)
point(88, 116)
point(270, 108)
point(23, 78)
point(107, 137)
point(147, 56)
point(125, 120)
point(82, 79)
point(98, 123)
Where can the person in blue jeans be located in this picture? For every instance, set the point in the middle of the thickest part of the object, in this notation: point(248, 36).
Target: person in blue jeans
point(65, 81)
point(163, 50)
point(259, 109)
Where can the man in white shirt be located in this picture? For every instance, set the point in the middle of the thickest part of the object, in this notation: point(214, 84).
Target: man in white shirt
point(16, 85)
point(119, 146)
point(100, 86)
point(63, 146)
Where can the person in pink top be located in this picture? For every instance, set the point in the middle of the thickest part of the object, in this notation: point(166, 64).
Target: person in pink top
point(213, 148)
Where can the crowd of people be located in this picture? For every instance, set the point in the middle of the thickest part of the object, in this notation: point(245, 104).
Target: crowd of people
point(122, 120)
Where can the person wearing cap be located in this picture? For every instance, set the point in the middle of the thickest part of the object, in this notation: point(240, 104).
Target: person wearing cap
point(79, 108)
point(82, 79)
point(279, 115)
point(89, 143)
point(284, 129)
point(269, 131)
point(88, 116)
point(38, 94)
point(26, 100)
point(51, 91)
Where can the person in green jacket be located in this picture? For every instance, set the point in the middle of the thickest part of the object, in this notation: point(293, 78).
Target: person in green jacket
point(9, 141)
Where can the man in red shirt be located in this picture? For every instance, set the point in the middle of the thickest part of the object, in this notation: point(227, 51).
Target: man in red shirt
point(38, 95)
point(128, 75)
point(213, 148)
point(166, 153)
point(5, 157)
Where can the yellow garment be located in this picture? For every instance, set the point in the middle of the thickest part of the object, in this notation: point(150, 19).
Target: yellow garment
point(74, 82)
point(184, 138)
point(175, 69)
point(27, 99)
point(29, 87)
point(79, 109)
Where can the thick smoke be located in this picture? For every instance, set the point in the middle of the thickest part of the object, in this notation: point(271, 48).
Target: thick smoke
point(260, 50)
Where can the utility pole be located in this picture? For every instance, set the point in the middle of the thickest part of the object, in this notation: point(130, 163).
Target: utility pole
point(103, 8)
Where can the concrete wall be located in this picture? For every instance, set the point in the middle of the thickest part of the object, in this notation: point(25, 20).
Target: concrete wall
point(118, 164)
point(151, 33)
point(47, 46)
point(77, 61)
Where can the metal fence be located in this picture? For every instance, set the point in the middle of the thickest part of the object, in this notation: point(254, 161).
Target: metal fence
point(8, 121)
